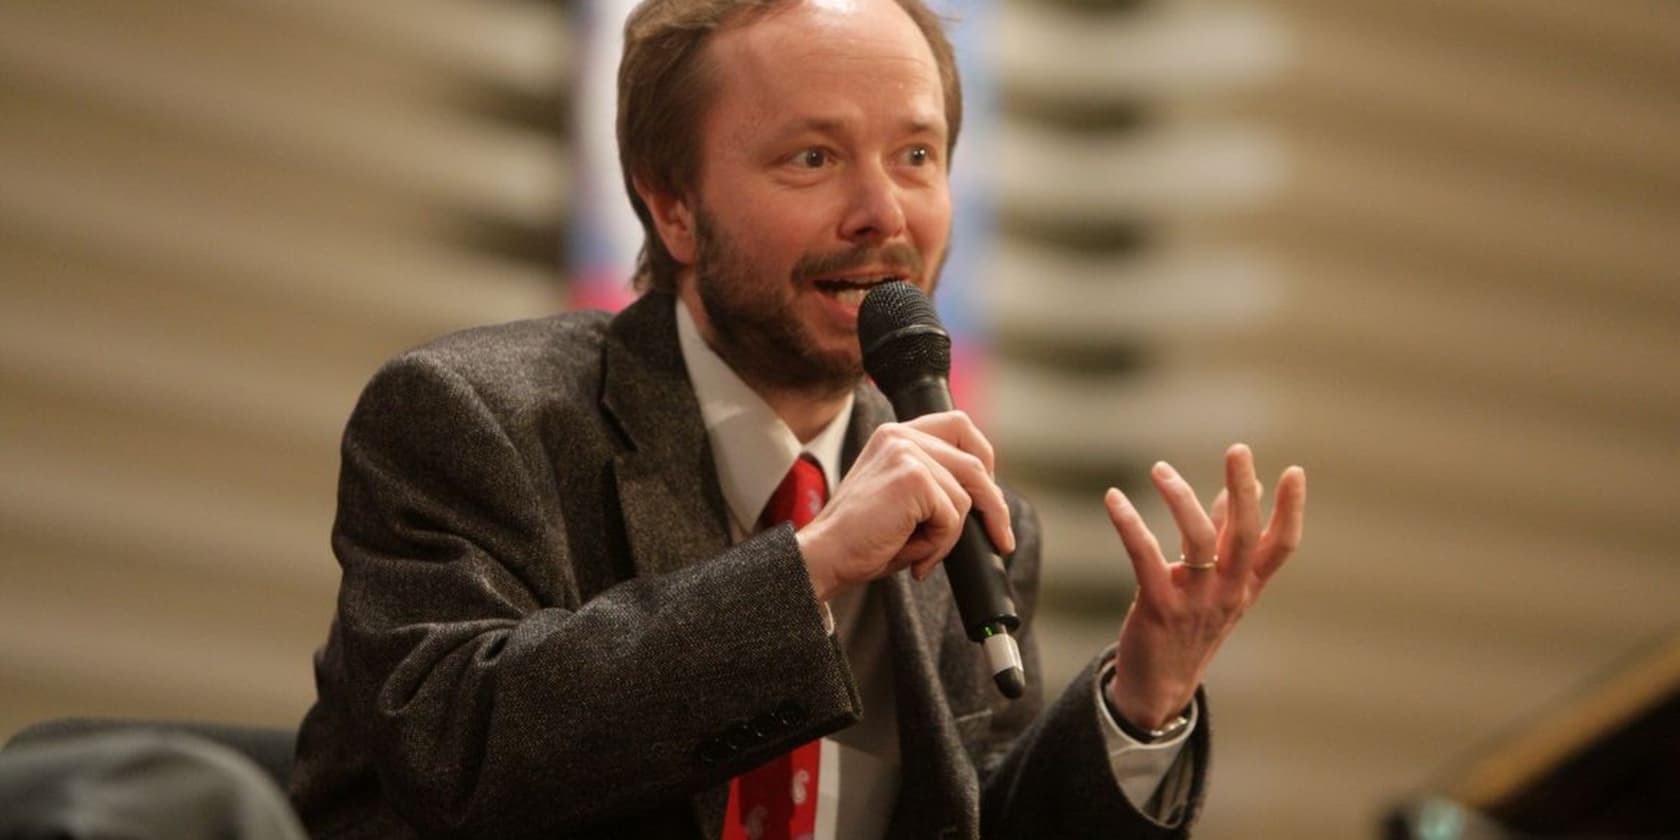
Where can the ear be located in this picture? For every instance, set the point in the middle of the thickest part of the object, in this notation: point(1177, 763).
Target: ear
point(673, 219)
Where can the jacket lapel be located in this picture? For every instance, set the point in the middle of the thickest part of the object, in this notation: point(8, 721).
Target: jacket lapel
point(926, 599)
point(670, 520)
point(938, 787)
point(917, 613)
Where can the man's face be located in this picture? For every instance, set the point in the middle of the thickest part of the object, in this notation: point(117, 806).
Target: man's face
point(823, 172)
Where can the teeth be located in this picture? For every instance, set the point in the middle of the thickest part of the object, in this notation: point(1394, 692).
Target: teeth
point(852, 291)
point(851, 296)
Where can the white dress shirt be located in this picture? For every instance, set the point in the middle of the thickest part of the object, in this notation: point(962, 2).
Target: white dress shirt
point(858, 777)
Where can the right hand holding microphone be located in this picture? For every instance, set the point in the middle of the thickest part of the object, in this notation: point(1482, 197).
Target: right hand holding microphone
point(903, 504)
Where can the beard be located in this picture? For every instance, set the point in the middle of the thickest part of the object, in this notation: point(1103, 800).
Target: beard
point(755, 328)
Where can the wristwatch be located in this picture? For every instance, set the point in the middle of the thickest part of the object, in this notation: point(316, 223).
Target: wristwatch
point(1168, 730)
point(1143, 736)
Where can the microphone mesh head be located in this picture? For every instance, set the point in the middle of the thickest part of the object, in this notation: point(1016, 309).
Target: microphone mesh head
point(901, 336)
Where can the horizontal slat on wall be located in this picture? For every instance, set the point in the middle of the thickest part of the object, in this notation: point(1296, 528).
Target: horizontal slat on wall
point(522, 46)
point(1555, 352)
point(144, 220)
point(1596, 592)
point(1416, 442)
point(1159, 53)
point(1183, 171)
point(1102, 300)
point(230, 79)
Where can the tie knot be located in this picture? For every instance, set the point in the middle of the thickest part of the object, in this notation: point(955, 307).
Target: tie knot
point(797, 499)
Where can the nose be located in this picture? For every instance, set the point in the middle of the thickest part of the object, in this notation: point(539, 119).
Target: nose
point(875, 212)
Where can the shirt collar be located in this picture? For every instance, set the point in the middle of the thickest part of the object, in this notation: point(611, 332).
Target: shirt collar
point(751, 445)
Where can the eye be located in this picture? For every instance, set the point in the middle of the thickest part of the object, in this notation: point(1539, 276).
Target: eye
point(918, 155)
point(812, 158)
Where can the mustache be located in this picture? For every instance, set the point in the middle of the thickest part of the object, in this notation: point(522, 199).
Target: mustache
point(897, 256)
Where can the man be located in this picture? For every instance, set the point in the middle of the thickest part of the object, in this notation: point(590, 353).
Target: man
point(561, 611)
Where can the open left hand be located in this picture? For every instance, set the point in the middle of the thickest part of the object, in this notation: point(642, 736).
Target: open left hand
point(1183, 613)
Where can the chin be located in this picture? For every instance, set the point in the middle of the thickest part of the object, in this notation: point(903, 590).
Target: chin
point(841, 348)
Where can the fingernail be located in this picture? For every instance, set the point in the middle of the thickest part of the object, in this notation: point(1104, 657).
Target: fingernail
point(1164, 471)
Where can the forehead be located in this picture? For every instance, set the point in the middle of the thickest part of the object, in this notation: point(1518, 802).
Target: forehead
point(824, 60)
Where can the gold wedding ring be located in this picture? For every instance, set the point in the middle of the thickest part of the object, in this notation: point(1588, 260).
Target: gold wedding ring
point(1214, 561)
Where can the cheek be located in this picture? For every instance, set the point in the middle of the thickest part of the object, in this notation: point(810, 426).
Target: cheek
point(930, 224)
point(785, 232)
point(766, 249)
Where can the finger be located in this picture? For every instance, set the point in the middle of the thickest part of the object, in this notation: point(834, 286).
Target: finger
point(1240, 537)
point(958, 429)
point(1283, 532)
point(944, 506)
point(1198, 536)
point(971, 472)
point(1141, 547)
point(1221, 509)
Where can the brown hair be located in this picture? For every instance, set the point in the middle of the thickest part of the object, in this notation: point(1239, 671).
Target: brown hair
point(664, 87)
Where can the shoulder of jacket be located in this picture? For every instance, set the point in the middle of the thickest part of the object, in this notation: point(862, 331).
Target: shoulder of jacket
point(488, 353)
point(509, 367)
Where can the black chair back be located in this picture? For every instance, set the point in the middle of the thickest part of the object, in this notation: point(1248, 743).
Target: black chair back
point(270, 748)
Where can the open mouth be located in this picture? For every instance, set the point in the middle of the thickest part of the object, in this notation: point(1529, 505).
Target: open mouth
point(851, 290)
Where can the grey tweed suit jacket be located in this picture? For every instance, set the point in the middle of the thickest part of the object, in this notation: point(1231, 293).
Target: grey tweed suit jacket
point(543, 630)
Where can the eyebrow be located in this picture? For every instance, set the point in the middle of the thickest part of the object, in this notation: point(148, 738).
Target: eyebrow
point(834, 125)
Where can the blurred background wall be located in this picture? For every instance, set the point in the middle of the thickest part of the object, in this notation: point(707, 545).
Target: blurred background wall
point(1429, 250)
point(216, 220)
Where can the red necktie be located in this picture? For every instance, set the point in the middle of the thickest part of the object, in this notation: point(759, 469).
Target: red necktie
point(778, 801)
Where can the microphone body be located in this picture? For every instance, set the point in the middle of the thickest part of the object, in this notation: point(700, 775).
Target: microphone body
point(907, 351)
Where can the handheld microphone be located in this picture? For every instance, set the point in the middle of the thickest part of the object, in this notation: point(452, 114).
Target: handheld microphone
point(908, 353)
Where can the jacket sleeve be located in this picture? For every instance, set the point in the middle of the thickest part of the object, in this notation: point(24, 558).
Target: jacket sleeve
point(489, 706)
point(1047, 773)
